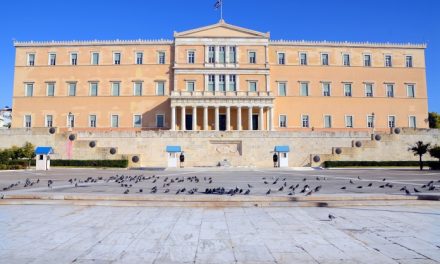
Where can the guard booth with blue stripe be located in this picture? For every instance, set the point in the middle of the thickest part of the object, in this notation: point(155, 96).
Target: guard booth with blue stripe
point(42, 156)
point(173, 153)
point(283, 155)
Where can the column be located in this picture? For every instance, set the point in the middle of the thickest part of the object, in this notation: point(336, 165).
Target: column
point(239, 118)
point(271, 118)
point(205, 118)
point(228, 118)
point(226, 54)
point(194, 118)
point(173, 118)
point(217, 50)
point(250, 118)
point(260, 119)
point(183, 118)
point(227, 82)
point(216, 118)
point(267, 118)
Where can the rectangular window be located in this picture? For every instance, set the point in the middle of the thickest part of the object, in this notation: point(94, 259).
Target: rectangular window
point(367, 60)
point(117, 58)
point(137, 89)
point(326, 89)
point(347, 89)
point(28, 121)
point(191, 56)
point(116, 87)
point(412, 122)
point(324, 59)
point(305, 121)
point(137, 121)
point(346, 59)
point(115, 121)
point(408, 61)
point(304, 91)
point(93, 89)
point(73, 58)
point(410, 90)
point(52, 59)
point(303, 58)
point(222, 54)
point(211, 82)
point(221, 83)
point(283, 121)
point(281, 58)
point(390, 90)
point(252, 57)
point(72, 89)
point(92, 120)
point(388, 61)
point(232, 84)
point(327, 121)
point(161, 57)
point(95, 58)
point(139, 57)
point(369, 90)
point(71, 120)
point(391, 121)
point(160, 88)
point(50, 89)
point(349, 121)
point(252, 86)
point(49, 120)
point(232, 54)
point(31, 59)
point(282, 89)
point(160, 120)
point(370, 121)
point(211, 54)
point(29, 91)
point(190, 86)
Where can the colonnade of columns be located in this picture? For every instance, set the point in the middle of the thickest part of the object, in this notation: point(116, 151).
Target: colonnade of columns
point(239, 125)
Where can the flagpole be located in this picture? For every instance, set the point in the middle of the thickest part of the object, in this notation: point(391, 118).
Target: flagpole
point(221, 9)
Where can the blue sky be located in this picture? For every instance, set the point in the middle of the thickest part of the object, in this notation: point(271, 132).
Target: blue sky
point(338, 20)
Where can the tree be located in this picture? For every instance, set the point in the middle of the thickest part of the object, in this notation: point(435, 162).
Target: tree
point(420, 149)
point(434, 120)
point(435, 152)
point(28, 151)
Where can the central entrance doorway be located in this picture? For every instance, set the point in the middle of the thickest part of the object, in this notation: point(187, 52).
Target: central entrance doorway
point(222, 122)
point(188, 122)
point(255, 122)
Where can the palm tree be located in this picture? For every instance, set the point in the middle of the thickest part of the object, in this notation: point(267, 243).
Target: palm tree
point(420, 149)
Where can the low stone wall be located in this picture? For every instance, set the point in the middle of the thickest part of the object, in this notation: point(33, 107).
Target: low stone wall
point(239, 148)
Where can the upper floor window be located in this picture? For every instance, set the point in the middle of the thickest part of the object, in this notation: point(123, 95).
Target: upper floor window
point(412, 122)
point(369, 90)
point(410, 90)
point(390, 89)
point(211, 82)
point(305, 121)
point(52, 59)
point(232, 54)
point(117, 58)
point(282, 89)
point(116, 87)
point(346, 59)
point(115, 121)
point(50, 89)
point(160, 88)
point(49, 120)
point(349, 121)
point(324, 59)
point(303, 58)
point(161, 57)
point(347, 89)
point(252, 57)
point(95, 58)
point(137, 89)
point(222, 54)
point(28, 121)
point(221, 83)
point(281, 58)
point(73, 58)
point(304, 89)
point(283, 121)
point(391, 121)
point(327, 121)
point(137, 121)
point(326, 90)
point(408, 61)
point(93, 89)
point(367, 60)
point(71, 120)
point(139, 57)
point(190, 86)
point(252, 86)
point(71, 89)
point(211, 54)
point(31, 59)
point(92, 120)
point(232, 83)
point(29, 89)
point(191, 56)
point(370, 121)
point(160, 120)
point(388, 61)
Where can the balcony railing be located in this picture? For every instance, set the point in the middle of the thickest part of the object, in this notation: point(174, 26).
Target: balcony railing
point(222, 93)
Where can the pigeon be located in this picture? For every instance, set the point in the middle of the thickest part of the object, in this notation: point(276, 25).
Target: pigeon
point(382, 186)
point(430, 183)
point(281, 188)
point(384, 179)
point(423, 186)
point(431, 188)
point(140, 190)
point(403, 188)
point(309, 193)
point(250, 186)
point(317, 188)
point(407, 192)
point(359, 187)
point(351, 182)
point(167, 191)
point(359, 178)
point(268, 192)
point(343, 188)
point(265, 182)
point(304, 179)
point(331, 217)
point(415, 190)
point(247, 192)
point(370, 184)
point(126, 191)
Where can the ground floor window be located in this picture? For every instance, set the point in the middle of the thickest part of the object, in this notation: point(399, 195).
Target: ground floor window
point(391, 121)
point(137, 121)
point(283, 121)
point(49, 120)
point(28, 121)
point(92, 120)
point(115, 121)
point(349, 121)
point(305, 120)
point(160, 120)
point(412, 122)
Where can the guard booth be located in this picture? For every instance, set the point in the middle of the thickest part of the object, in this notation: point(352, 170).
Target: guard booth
point(283, 155)
point(173, 153)
point(42, 156)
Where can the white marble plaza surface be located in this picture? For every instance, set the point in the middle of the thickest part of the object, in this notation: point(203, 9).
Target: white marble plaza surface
point(98, 234)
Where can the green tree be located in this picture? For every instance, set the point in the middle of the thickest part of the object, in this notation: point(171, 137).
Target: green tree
point(420, 149)
point(434, 120)
point(28, 151)
point(5, 155)
point(435, 152)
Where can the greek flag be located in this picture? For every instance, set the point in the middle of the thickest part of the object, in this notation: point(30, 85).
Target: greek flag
point(218, 4)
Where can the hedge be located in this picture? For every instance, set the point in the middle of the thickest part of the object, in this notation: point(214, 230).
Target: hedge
point(409, 163)
point(22, 164)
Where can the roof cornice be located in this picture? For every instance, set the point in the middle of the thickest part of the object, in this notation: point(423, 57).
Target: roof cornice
point(92, 43)
point(222, 23)
point(346, 44)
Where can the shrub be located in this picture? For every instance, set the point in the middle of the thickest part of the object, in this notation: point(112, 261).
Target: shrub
point(435, 152)
point(91, 163)
point(354, 163)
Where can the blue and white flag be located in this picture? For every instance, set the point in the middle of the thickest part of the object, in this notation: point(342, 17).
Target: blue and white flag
point(218, 4)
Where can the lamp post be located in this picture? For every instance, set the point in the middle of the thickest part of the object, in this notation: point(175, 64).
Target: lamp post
point(69, 121)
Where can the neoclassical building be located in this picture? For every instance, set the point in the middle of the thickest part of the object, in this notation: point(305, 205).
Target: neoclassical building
point(219, 77)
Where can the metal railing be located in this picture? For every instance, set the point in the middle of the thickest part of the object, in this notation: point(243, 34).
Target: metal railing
point(222, 93)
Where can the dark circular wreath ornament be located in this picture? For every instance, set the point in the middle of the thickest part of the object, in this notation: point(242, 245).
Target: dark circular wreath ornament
point(92, 144)
point(338, 151)
point(358, 144)
point(378, 137)
point(135, 159)
point(316, 158)
point(397, 130)
point(113, 151)
point(52, 130)
point(72, 137)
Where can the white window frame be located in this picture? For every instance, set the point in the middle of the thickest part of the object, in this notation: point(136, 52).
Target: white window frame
point(50, 61)
point(188, 58)
point(386, 90)
point(91, 57)
point(385, 60)
point(111, 120)
point(134, 121)
point(220, 58)
point(407, 91)
point(208, 58)
point(363, 59)
point(329, 89)
point(395, 121)
point(280, 124)
point(322, 58)
point(47, 88)
point(159, 58)
point(232, 50)
point(90, 88)
point(372, 89)
point(24, 120)
point(26, 89)
point(406, 61)
point(68, 88)
point(331, 121)
point(90, 120)
point(157, 88)
point(249, 57)
point(70, 121)
point(71, 58)
point(141, 92)
point(409, 121)
point(346, 123)
point(349, 59)
point(28, 63)
point(222, 83)
point(114, 58)
point(302, 120)
point(187, 85)
point(249, 85)
point(372, 119)
point(351, 89)
point(285, 87)
point(307, 89)
point(46, 121)
point(112, 86)
point(157, 123)
point(136, 57)
point(284, 59)
point(231, 80)
point(305, 63)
